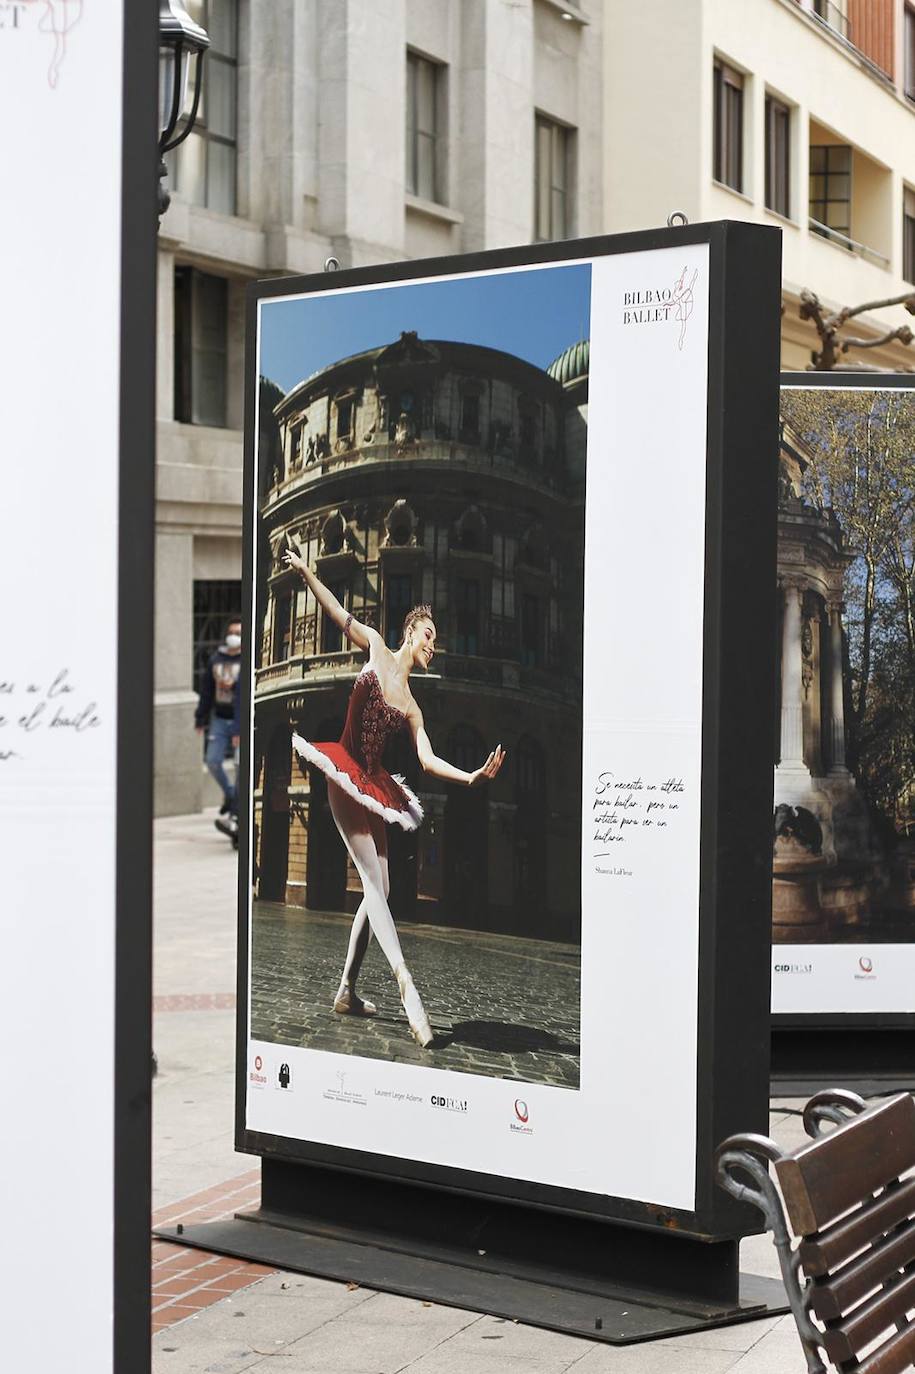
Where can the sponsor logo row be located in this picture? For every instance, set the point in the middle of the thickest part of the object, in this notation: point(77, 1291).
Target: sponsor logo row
point(862, 970)
point(282, 1080)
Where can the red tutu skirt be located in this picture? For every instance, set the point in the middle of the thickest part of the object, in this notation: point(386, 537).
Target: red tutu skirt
point(387, 794)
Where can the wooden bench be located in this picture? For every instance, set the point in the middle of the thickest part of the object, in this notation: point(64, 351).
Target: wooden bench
point(848, 1260)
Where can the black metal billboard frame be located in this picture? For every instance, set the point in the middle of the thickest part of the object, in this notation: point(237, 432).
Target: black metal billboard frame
point(136, 579)
point(473, 1239)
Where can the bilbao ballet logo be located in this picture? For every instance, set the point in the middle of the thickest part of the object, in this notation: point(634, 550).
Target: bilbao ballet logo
point(55, 18)
point(284, 1077)
point(663, 305)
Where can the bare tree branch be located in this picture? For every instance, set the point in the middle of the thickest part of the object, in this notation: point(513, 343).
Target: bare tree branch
point(828, 326)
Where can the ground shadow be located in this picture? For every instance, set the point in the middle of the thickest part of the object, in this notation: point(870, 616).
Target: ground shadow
point(500, 1038)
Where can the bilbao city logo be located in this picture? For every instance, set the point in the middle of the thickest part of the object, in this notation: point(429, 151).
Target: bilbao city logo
point(256, 1076)
point(522, 1111)
point(663, 304)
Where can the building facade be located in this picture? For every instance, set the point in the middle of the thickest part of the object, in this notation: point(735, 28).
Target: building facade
point(367, 131)
point(794, 113)
point(451, 475)
point(376, 130)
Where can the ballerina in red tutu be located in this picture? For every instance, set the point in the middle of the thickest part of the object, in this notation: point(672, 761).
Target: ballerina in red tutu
point(364, 796)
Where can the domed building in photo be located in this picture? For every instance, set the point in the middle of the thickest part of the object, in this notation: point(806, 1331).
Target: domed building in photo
point(451, 474)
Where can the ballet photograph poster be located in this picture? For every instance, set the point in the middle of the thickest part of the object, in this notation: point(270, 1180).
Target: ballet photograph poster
point(470, 858)
point(417, 693)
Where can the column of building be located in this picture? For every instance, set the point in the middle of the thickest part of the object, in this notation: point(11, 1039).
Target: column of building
point(791, 763)
point(837, 765)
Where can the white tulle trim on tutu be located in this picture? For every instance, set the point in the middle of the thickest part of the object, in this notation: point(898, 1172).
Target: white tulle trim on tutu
point(410, 819)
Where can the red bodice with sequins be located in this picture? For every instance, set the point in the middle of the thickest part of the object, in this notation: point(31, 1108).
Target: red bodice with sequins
point(369, 722)
point(353, 763)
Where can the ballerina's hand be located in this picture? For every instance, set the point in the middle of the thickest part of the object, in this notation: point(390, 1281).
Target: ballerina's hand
point(292, 560)
point(490, 767)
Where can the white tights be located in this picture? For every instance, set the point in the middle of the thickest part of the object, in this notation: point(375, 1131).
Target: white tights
point(364, 835)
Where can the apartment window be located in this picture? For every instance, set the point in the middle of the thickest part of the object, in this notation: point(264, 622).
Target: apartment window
point(530, 770)
point(833, 14)
point(331, 632)
point(203, 168)
point(470, 416)
point(467, 639)
point(345, 418)
point(909, 42)
point(728, 126)
point(778, 156)
point(201, 345)
point(531, 631)
point(552, 180)
point(282, 628)
point(398, 599)
point(215, 603)
point(908, 235)
point(425, 128)
point(830, 189)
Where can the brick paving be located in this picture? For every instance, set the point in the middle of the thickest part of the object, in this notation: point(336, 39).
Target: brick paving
point(184, 1281)
point(499, 1005)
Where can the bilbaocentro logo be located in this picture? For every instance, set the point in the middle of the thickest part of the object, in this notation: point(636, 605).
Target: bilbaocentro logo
point(865, 969)
point(663, 304)
point(256, 1076)
point(521, 1124)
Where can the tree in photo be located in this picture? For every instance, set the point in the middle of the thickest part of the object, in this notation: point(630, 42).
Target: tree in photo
point(863, 450)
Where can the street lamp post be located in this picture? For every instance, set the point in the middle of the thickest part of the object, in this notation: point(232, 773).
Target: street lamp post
point(182, 43)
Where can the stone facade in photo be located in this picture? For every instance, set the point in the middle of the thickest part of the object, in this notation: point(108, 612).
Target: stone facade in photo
point(453, 475)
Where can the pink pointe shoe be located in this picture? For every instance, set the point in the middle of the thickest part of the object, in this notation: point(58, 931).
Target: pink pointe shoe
point(346, 1003)
point(412, 1005)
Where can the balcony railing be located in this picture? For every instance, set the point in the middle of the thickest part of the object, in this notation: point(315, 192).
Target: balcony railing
point(852, 245)
point(832, 16)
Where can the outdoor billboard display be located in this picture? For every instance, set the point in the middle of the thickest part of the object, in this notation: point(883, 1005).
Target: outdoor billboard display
point(77, 425)
point(480, 890)
point(844, 844)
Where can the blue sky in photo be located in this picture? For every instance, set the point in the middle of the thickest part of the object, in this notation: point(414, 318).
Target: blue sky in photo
point(532, 314)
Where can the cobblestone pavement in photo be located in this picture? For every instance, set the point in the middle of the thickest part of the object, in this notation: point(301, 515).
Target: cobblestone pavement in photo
point(499, 1005)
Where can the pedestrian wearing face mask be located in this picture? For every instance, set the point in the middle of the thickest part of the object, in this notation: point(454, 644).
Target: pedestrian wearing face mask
point(216, 710)
point(229, 824)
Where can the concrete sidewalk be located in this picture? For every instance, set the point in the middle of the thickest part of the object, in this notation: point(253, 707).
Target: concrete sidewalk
point(217, 1316)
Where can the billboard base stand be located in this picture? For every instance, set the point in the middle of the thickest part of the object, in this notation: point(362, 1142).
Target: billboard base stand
point(585, 1277)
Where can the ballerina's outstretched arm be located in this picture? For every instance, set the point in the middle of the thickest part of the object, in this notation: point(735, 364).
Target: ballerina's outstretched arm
point(440, 768)
point(363, 636)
